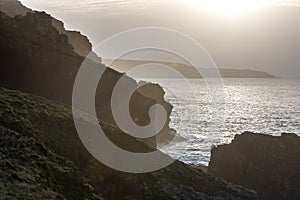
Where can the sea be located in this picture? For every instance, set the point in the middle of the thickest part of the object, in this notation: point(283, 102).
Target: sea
point(268, 106)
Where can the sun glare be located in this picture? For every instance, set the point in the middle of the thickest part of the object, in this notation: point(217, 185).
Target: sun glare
point(235, 7)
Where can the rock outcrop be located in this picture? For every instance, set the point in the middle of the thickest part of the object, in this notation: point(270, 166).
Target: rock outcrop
point(38, 58)
point(13, 8)
point(267, 164)
point(151, 91)
point(43, 157)
point(80, 43)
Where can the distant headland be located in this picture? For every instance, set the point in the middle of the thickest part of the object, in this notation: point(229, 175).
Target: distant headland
point(124, 65)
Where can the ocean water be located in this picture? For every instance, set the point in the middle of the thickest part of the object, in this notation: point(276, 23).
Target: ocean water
point(269, 106)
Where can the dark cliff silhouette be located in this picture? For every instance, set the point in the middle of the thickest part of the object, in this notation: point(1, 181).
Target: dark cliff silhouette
point(38, 56)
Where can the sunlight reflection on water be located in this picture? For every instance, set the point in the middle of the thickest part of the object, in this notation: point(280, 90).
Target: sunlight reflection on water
point(268, 106)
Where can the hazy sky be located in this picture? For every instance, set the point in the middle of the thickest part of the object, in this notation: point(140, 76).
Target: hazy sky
point(262, 35)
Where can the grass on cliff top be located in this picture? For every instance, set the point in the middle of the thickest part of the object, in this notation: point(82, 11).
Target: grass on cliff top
point(32, 115)
point(28, 170)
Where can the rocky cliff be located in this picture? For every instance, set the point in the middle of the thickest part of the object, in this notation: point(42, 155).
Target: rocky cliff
point(42, 157)
point(270, 165)
point(38, 57)
point(80, 43)
point(13, 8)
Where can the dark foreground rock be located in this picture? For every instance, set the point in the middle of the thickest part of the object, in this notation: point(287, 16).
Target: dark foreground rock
point(42, 156)
point(267, 164)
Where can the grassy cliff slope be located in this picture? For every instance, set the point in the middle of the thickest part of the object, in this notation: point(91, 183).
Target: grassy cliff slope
point(42, 154)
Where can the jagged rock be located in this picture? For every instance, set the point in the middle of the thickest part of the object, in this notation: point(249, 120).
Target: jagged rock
point(80, 43)
point(267, 164)
point(151, 91)
point(13, 8)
